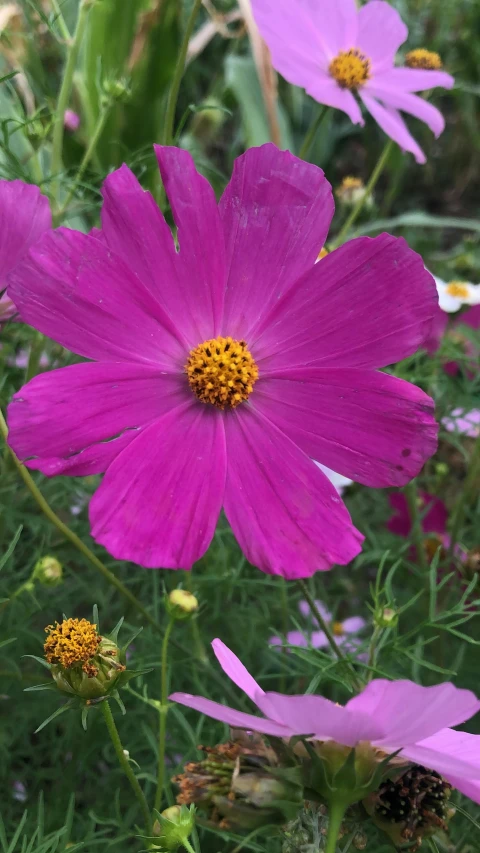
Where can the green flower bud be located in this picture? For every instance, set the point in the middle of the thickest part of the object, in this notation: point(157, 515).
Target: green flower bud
point(48, 571)
point(386, 617)
point(181, 604)
point(174, 826)
point(115, 91)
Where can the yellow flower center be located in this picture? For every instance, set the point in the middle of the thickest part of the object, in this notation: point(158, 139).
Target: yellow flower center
point(72, 641)
point(421, 58)
point(337, 629)
point(222, 372)
point(458, 289)
point(322, 254)
point(350, 68)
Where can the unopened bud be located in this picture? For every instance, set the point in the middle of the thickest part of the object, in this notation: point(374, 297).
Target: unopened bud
point(181, 604)
point(208, 119)
point(174, 826)
point(48, 571)
point(115, 91)
point(353, 190)
point(386, 618)
point(471, 564)
point(441, 469)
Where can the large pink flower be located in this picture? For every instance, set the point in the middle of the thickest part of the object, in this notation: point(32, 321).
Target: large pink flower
point(391, 715)
point(332, 49)
point(24, 216)
point(224, 368)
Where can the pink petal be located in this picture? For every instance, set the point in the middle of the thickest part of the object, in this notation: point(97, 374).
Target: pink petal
point(368, 304)
point(353, 624)
point(159, 501)
point(320, 717)
point(44, 417)
point(286, 515)
point(200, 237)
point(297, 47)
point(433, 510)
point(437, 331)
point(74, 289)
point(236, 671)
point(450, 753)
point(318, 640)
point(381, 31)
point(408, 103)
point(306, 611)
point(468, 787)
point(408, 712)
point(238, 719)
point(326, 91)
point(276, 213)
point(135, 229)
point(374, 428)
point(24, 216)
point(469, 318)
point(7, 308)
point(393, 125)
point(416, 79)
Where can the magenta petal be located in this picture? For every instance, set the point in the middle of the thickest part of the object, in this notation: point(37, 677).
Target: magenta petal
point(326, 91)
point(437, 330)
point(238, 719)
point(381, 31)
point(367, 304)
point(44, 417)
point(235, 670)
point(412, 104)
point(200, 237)
point(409, 712)
point(93, 460)
point(468, 787)
point(369, 426)
point(416, 79)
point(433, 511)
point(286, 515)
point(450, 753)
point(276, 213)
point(24, 216)
point(320, 717)
point(393, 125)
point(159, 501)
point(74, 289)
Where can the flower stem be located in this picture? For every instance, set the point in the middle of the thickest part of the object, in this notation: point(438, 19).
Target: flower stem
point(381, 162)
point(163, 716)
point(70, 535)
point(60, 20)
point(64, 94)
point(187, 845)
point(178, 74)
point(311, 133)
point(326, 630)
point(411, 494)
point(124, 764)
point(458, 514)
point(336, 812)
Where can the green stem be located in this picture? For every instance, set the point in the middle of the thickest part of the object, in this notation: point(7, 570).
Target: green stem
point(458, 514)
point(102, 119)
point(382, 160)
point(311, 133)
point(187, 845)
point(336, 812)
point(70, 535)
point(163, 716)
point(125, 765)
point(62, 26)
point(178, 74)
point(34, 357)
point(331, 639)
point(64, 94)
point(411, 494)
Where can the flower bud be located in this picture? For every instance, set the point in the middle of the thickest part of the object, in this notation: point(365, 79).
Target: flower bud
point(115, 91)
point(471, 564)
point(181, 604)
point(173, 827)
point(48, 571)
point(386, 617)
point(351, 191)
point(208, 119)
point(71, 121)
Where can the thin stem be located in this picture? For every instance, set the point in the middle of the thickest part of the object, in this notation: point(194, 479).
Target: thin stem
point(64, 94)
point(187, 845)
point(311, 133)
point(125, 765)
point(326, 630)
point(178, 74)
point(382, 160)
point(60, 20)
point(163, 716)
point(34, 357)
point(85, 160)
point(70, 535)
point(458, 514)
point(336, 812)
point(411, 494)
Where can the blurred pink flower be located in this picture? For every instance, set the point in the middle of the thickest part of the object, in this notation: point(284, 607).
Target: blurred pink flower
point(71, 120)
point(344, 631)
point(433, 511)
point(391, 715)
point(221, 370)
point(333, 50)
point(440, 327)
point(463, 422)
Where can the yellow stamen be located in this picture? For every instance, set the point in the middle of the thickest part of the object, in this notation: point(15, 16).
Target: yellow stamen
point(421, 58)
point(458, 289)
point(350, 68)
point(322, 254)
point(222, 372)
point(72, 641)
point(337, 629)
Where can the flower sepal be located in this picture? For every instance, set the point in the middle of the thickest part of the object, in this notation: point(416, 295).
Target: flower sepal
point(172, 827)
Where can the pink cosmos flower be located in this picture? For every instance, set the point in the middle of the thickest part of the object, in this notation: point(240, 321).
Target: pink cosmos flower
point(222, 369)
point(332, 49)
point(344, 631)
point(463, 422)
point(433, 510)
point(24, 216)
point(391, 715)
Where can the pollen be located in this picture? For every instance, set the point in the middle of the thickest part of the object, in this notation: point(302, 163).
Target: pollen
point(458, 289)
point(222, 371)
point(338, 629)
point(322, 254)
point(72, 641)
point(350, 68)
point(425, 59)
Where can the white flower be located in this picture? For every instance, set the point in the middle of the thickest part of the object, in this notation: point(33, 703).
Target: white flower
point(453, 294)
point(338, 480)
